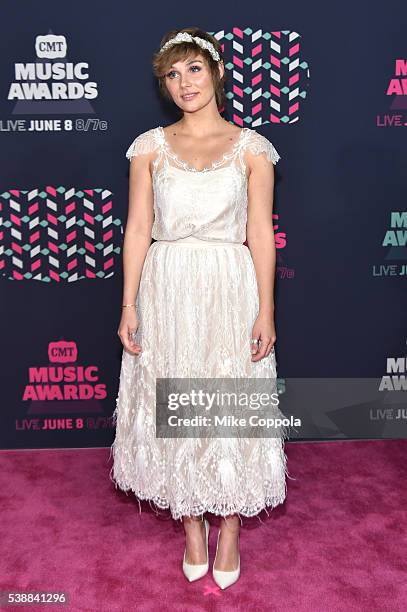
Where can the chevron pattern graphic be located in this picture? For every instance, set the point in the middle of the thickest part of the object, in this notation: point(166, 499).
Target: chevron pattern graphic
point(266, 78)
point(58, 234)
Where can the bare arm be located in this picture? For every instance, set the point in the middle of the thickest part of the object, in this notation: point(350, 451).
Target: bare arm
point(137, 237)
point(260, 233)
point(137, 240)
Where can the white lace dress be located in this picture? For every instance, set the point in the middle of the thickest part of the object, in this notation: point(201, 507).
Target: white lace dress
point(197, 303)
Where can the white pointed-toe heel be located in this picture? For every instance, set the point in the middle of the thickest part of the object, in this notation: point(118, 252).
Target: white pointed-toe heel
point(194, 572)
point(225, 579)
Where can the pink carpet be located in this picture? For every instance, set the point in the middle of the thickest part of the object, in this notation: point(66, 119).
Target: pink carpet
point(337, 544)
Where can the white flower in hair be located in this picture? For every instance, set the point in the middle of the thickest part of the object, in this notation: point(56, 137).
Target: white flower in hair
point(185, 37)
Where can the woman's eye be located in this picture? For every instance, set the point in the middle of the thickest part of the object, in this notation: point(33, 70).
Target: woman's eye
point(169, 74)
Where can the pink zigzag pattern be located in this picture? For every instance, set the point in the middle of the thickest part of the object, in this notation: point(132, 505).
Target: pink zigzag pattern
point(271, 86)
point(58, 234)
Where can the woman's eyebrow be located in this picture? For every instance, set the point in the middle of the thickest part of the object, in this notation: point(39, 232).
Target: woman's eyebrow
point(190, 62)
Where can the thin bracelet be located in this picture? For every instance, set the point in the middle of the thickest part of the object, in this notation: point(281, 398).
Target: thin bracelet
point(126, 305)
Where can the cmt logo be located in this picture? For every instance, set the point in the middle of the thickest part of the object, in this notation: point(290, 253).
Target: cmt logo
point(395, 240)
point(62, 352)
point(396, 94)
point(50, 46)
point(398, 84)
point(64, 385)
point(395, 377)
point(396, 236)
point(52, 77)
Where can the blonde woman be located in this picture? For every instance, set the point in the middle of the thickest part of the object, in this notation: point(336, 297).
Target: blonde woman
point(197, 303)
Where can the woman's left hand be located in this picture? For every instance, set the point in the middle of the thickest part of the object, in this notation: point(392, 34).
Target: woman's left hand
point(264, 330)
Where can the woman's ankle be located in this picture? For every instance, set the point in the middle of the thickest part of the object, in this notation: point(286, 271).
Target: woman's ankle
point(230, 524)
point(193, 524)
point(192, 518)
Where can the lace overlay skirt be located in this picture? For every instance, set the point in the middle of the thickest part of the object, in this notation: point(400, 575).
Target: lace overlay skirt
point(196, 304)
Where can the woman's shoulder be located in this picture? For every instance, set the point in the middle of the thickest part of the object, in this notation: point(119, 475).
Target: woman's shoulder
point(256, 143)
point(145, 142)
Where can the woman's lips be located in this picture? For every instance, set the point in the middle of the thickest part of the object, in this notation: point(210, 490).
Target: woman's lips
point(189, 96)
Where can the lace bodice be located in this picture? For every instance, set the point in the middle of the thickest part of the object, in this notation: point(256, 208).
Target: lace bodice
point(209, 204)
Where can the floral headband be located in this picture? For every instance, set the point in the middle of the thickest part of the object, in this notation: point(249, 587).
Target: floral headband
point(185, 37)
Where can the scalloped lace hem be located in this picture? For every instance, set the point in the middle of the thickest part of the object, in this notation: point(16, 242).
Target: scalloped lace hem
point(223, 510)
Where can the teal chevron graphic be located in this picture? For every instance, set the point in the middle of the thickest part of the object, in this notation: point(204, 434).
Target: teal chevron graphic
point(267, 77)
point(58, 234)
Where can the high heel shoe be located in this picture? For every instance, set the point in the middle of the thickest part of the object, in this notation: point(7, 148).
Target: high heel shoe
point(194, 572)
point(225, 579)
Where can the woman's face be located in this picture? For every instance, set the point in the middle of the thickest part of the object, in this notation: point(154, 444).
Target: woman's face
point(189, 83)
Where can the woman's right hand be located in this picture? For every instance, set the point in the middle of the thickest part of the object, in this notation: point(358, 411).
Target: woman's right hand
point(129, 323)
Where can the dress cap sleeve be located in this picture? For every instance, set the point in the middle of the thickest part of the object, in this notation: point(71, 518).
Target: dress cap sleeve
point(257, 144)
point(143, 143)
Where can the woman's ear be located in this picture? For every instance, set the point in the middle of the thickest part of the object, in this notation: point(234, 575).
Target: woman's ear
point(221, 69)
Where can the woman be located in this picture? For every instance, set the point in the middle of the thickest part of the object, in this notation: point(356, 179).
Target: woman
point(197, 303)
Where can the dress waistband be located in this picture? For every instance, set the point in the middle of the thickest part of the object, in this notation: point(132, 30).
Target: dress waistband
point(193, 241)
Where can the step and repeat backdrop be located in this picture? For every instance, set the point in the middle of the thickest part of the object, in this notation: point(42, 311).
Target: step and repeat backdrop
point(328, 90)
